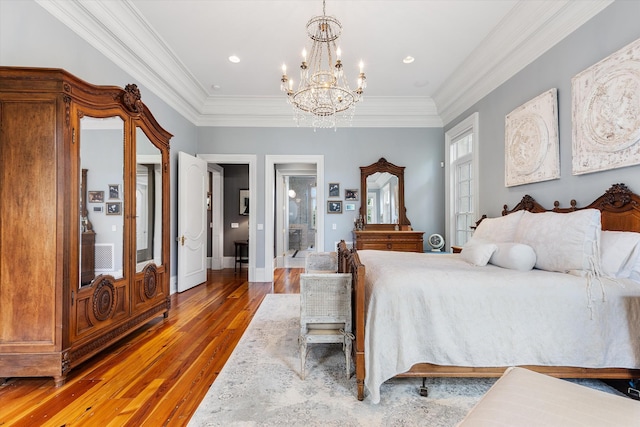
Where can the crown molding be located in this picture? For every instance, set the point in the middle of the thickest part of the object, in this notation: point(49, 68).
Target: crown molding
point(121, 33)
point(528, 30)
point(414, 112)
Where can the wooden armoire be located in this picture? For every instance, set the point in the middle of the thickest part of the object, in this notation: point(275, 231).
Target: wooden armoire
point(84, 219)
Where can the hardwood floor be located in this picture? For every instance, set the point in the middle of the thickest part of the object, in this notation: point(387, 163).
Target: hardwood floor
point(158, 375)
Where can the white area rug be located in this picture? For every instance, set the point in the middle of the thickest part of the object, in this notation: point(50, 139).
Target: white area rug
point(260, 384)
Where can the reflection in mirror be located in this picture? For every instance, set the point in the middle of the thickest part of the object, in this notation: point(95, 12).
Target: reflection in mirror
point(101, 227)
point(382, 198)
point(148, 202)
point(383, 208)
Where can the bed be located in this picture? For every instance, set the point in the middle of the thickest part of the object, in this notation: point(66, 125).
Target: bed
point(446, 315)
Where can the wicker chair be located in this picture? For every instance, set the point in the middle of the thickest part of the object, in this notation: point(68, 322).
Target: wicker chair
point(325, 313)
point(321, 262)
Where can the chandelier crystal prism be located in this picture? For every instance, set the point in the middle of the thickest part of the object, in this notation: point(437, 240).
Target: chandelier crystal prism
point(323, 97)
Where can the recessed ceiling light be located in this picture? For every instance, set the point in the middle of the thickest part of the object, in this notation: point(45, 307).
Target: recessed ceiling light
point(408, 59)
point(234, 59)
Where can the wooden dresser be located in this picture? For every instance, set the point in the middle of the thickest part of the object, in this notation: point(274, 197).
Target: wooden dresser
point(389, 240)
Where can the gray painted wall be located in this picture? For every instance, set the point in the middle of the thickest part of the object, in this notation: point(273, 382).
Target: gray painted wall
point(344, 151)
point(607, 32)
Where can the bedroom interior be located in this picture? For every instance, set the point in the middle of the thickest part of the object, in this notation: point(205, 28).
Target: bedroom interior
point(409, 127)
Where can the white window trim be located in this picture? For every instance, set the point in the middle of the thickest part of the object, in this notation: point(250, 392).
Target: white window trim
point(470, 124)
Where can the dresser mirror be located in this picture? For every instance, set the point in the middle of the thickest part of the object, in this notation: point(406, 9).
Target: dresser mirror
point(148, 202)
point(102, 197)
point(382, 189)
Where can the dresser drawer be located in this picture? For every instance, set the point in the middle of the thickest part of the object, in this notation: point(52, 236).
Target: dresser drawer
point(403, 241)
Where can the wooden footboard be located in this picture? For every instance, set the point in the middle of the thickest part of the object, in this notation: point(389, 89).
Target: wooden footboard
point(620, 210)
point(349, 262)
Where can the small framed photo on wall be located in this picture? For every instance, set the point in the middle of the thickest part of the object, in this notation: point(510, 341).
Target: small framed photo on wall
point(244, 202)
point(114, 191)
point(351, 195)
point(334, 189)
point(114, 208)
point(334, 206)
point(96, 196)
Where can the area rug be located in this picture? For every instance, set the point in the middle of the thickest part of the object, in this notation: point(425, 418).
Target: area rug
point(261, 385)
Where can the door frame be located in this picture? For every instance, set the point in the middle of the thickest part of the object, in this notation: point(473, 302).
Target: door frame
point(269, 194)
point(251, 160)
point(216, 172)
point(282, 183)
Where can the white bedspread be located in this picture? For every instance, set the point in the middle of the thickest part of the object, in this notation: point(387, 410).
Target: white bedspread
point(436, 308)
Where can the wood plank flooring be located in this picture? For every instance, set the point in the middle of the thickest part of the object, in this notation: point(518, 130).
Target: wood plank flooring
point(158, 375)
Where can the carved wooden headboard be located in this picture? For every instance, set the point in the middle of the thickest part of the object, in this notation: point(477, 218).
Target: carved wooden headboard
point(620, 208)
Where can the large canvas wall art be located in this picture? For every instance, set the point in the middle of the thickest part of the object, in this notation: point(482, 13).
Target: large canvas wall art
point(531, 141)
point(606, 113)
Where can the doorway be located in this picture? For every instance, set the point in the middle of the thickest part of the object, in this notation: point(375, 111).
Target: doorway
point(296, 219)
point(217, 202)
point(274, 218)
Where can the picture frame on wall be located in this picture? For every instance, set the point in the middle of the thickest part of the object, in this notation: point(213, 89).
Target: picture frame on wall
point(96, 196)
point(114, 208)
point(114, 191)
point(532, 148)
point(334, 189)
point(349, 206)
point(351, 195)
point(334, 206)
point(605, 120)
point(244, 202)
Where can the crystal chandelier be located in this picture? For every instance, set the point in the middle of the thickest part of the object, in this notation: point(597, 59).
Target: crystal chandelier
point(323, 96)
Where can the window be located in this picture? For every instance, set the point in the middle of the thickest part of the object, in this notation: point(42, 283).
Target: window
point(462, 180)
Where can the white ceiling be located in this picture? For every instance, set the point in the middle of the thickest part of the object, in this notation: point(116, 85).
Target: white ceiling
point(463, 49)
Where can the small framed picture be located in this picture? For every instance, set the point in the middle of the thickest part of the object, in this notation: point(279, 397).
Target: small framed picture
point(114, 208)
point(244, 202)
point(351, 195)
point(334, 189)
point(349, 206)
point(97, 208)
point(334, 206)
point(96, 196)
point(114, 191)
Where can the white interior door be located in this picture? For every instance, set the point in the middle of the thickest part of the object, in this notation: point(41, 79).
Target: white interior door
point(192, 218)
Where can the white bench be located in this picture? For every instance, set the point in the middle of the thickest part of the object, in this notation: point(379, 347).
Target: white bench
point(525, 398)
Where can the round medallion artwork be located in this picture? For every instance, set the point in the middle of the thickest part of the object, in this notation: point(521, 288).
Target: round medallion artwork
point(528, 145)
point(104, 299)
point(150, 284)
point(613, 111)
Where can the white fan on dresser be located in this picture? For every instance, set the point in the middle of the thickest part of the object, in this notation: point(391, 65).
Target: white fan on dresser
point(436, 242)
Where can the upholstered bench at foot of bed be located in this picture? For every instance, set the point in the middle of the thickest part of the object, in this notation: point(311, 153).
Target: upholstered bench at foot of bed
point(525, 398)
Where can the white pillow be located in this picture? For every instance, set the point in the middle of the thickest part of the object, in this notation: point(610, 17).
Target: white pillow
point(514, 256)
point(478, 252)
point(619, 253)
point(500, 229)
point(562, 241)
